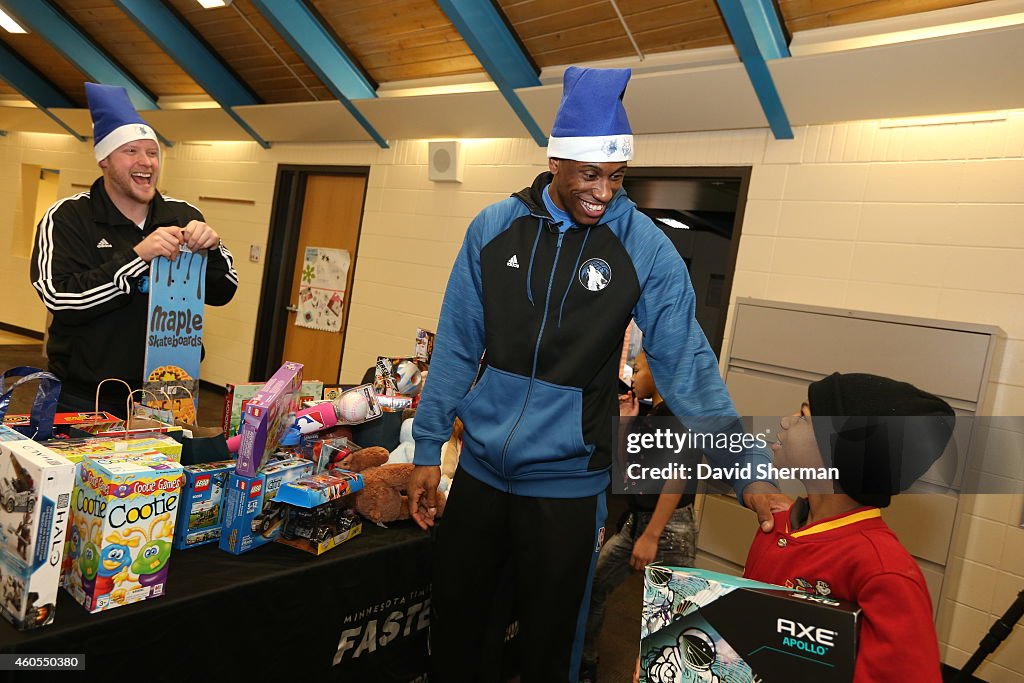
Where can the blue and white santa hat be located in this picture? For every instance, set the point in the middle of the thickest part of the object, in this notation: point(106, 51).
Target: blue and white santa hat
point(114, 120)
point(591, 123)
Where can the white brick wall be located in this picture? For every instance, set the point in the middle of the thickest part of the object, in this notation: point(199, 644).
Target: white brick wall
point(925, 221)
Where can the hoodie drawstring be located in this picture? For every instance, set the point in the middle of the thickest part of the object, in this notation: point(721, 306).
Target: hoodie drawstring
point(529, 270)
point(572, 276)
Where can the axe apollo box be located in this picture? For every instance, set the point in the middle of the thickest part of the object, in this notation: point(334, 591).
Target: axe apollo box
point(699, 626)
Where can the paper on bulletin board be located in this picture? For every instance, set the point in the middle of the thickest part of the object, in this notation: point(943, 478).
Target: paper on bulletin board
point(322, 288)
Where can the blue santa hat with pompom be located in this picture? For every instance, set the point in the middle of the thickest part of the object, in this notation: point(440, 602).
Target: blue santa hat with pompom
point(591, 123)
point(114, 120)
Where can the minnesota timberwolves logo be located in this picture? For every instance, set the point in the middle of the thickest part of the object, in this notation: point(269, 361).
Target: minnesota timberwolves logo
point(595, 274)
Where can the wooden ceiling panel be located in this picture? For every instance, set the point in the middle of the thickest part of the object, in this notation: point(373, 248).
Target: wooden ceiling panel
point(557, 32)
point(399, 40)
point(234, 33)
point(117, 35)
point(802, 15)
point(51, 64)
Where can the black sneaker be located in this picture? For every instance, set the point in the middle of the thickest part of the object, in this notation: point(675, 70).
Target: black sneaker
point(588, 672)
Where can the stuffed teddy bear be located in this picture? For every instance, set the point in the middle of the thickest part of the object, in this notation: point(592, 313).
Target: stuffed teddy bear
point(383, 498)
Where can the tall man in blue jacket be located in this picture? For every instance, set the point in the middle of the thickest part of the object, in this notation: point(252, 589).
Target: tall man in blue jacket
point(546, 282)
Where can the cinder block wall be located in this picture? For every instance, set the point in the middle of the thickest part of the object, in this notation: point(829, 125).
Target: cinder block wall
point(924, 221)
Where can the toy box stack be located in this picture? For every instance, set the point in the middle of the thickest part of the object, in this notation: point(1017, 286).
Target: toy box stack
point(699, 625)
point(251, 518)
point(124, 510)
point(238, 396)
point(75, 449)
point(317, 517)
point(202, 504)
point(270, 412)
point(35, 499)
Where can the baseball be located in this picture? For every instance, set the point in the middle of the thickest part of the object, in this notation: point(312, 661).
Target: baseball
point(352, 408)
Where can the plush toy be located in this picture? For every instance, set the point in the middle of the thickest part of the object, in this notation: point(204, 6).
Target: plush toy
point(383, 498)
point(406, 447)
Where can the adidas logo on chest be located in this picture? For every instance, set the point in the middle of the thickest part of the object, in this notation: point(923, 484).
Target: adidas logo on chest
point(104, 244)
point(513, 262)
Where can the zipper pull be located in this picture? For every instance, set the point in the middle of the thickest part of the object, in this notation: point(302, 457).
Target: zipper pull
point(560, 236)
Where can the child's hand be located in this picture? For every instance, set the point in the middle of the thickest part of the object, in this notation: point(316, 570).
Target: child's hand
point(628, 405)
point(644, 551)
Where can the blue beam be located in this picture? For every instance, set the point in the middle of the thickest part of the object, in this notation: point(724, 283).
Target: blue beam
point(764, 22)
point(501, 55)
point(192, 55)
point(67, 39)
point(294, 21)
point(755, 31)
point(33, 86)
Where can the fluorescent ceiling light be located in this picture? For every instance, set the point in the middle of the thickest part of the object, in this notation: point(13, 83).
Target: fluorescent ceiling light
point(212, 4)
point(10, 24)
point(673, 223)
point(914, 121)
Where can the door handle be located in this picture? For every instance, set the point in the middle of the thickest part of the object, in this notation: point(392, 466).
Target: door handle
point(292, 309)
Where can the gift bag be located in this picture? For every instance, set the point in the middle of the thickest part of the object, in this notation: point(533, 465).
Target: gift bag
point(140, 419)
point(44, 407)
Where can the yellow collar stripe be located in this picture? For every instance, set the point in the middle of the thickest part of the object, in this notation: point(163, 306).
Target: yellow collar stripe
point(837, 523)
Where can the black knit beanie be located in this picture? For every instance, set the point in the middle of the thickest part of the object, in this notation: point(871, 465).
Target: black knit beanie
point(859, 423)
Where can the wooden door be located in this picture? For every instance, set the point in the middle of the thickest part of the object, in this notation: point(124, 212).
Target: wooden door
point(332, 211)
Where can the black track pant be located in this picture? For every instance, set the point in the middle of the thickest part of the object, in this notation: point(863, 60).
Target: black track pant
point(551, 547)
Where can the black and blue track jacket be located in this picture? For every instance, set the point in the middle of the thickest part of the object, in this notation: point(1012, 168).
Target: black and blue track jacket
point(551, 308)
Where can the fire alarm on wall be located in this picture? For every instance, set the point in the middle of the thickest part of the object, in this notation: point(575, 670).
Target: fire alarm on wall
point(445, 161)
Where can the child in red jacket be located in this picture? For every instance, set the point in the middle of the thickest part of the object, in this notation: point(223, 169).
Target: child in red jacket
point(834, 542)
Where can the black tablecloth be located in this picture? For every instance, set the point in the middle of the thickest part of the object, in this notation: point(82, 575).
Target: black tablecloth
point(360, 613)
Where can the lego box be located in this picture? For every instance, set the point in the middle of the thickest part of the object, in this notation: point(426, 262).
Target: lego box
point(699, 625)
point(238, 396)
point(267, 416)
point(251, 518)
point(124, 510)
point(202, 504)
point(35, 506)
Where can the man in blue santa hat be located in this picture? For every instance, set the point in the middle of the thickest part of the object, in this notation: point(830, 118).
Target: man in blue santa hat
point(546, 283)
point(92, 252)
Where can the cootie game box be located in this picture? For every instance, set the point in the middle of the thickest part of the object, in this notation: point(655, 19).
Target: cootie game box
point(35, 496)
point(251, 517)
point(266, 417)
point(124, 510)
point(704, 626)
point(202, 504)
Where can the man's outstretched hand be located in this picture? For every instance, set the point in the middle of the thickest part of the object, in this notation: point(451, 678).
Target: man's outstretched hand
point(765, 500)
point(422, 490)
